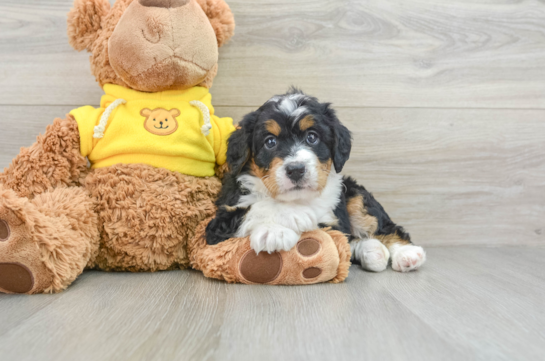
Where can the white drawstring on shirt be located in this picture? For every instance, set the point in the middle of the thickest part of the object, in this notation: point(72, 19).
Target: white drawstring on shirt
point(205, 129)
point(101, 127)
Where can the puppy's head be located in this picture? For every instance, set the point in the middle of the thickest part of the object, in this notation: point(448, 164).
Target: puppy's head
point(291, 143)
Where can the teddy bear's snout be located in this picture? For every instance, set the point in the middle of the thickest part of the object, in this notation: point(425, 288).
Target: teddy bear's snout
point(164, 3)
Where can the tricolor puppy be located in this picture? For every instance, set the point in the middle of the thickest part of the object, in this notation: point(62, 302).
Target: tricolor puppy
point(284, 179)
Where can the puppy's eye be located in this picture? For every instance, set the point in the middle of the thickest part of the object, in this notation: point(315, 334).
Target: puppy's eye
point(270, 142)
point(312, 138)
point(166, 120)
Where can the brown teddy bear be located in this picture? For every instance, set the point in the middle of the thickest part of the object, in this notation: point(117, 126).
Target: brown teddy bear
point(156, 151)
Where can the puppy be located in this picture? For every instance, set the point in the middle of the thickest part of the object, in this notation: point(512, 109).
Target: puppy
point(284, 179)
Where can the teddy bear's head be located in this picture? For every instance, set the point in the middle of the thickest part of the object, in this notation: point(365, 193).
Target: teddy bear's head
point(151, 45)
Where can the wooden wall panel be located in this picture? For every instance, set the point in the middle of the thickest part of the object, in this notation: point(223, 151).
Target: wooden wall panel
point(400, 53)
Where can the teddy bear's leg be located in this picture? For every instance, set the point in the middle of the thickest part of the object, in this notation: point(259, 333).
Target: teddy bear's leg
point(319, 256)
point(46, 242)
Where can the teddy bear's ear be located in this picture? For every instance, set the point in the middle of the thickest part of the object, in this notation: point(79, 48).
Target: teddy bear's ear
point(145, 112)
point(221, 18)
point(84, 21)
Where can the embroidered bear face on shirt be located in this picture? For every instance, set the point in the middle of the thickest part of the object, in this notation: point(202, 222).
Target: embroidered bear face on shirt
point(160, 121)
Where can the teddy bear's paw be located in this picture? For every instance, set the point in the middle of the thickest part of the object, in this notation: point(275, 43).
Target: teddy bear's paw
point(313, 259)
point(371, 253)
point(15, 274)
point(407, 258)
point(15, 278)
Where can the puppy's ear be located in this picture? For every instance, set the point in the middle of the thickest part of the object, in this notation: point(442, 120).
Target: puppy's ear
point(240, 144)
point(84, 22)
point(343, 145)
point(343, 140)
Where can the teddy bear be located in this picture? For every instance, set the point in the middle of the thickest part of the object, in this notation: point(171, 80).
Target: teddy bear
point(132, 184)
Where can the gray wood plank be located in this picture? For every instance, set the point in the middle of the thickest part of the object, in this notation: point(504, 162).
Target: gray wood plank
point(402, 53)
point(500, 291)
point(459, 306)
point(450, 176)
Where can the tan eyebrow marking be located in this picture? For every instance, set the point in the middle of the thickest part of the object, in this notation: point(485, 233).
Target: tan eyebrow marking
point(306, 122)
point(273, 127)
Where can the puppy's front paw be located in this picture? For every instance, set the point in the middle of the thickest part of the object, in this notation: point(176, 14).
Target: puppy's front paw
point(273, 238)
point(407, 258)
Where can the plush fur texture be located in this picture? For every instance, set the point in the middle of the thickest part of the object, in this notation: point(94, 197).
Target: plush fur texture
point(85, 21)
point(61, 217)
point(221, 18)
point(55, 235)
point(91, 25)
point(127, 217)
point(148, 215)
point(155, 48)
point(53, 161)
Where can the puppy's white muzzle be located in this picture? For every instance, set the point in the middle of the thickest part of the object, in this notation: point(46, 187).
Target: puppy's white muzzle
point(299, 171)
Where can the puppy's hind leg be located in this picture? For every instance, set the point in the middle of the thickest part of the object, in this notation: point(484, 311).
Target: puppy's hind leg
point(372, 228)
point(406, 256)
point(371, 253)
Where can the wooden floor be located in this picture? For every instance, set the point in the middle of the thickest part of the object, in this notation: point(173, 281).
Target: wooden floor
point(466, 303)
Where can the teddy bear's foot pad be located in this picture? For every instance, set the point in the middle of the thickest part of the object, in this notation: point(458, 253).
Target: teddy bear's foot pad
point(15, 278)
point(4, 231)
point(312, 272)
point(262, 267)
point(308, 247)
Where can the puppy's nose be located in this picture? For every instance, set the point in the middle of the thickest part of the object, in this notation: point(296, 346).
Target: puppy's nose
point(295, 171)
point(163, 3)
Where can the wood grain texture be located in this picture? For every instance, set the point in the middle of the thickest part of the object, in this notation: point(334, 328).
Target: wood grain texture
point(400, 53)
point(450, 176)
point(459, 306)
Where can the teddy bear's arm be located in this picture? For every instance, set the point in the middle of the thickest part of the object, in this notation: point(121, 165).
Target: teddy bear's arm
point(54, 160)
point(222, 129)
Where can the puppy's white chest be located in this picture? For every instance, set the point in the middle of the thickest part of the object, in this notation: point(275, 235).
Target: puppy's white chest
point(298, 217)
point(277, 224)
point(295, 216)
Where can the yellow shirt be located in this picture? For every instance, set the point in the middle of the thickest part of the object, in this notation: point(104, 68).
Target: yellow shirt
point(159, 129)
